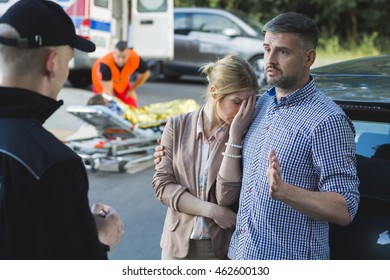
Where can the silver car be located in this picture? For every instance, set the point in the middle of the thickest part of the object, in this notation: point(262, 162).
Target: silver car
point(203, 35)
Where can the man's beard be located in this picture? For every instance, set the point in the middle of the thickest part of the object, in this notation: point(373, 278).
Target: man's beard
point(283, 82)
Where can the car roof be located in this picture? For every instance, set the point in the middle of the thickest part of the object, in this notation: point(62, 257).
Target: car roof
point(372, 65)
point(365, 79)
point(358, 85)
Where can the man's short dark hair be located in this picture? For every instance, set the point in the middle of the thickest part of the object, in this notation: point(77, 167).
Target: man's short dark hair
point(295, 23)
point(121, 46)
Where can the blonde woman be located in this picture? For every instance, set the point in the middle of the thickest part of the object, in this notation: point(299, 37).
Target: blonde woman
point(199, 178)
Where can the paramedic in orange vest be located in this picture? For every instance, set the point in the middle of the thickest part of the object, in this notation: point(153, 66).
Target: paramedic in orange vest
point(111, 74)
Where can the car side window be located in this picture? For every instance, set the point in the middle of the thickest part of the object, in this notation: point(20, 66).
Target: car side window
point(182, 23)
point(215, 24)
point(373, 157)
point(370, 136)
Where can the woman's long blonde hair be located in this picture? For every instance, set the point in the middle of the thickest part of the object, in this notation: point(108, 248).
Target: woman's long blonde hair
point(228, 75)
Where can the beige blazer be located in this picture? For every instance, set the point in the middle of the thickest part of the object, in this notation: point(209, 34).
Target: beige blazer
point(175, 174)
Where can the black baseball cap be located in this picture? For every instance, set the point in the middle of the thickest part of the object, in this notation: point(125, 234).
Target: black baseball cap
point(42, 23)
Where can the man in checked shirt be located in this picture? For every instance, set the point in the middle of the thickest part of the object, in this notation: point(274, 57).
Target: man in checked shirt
point(299, 166)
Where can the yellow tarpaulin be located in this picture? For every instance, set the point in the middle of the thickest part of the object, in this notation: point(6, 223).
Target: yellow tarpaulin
point(153, 114)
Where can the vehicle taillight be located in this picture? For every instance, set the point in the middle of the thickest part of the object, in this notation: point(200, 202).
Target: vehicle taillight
point(85, 28)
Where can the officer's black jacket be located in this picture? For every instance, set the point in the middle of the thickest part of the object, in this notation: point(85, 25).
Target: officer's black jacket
point(44, 207)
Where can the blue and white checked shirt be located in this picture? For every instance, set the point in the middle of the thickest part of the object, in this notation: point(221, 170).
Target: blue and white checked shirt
point(314, 142)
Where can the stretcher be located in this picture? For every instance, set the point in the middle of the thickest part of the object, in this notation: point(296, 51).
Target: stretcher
point(123, 140)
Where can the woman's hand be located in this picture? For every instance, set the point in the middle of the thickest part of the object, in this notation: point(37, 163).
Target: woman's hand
point(243, 118)
point(224, 217)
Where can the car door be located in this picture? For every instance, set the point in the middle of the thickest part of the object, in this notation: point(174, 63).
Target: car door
point(212, 37)
point(182, 46)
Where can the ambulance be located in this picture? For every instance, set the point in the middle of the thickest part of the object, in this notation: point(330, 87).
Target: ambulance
point(147, 26)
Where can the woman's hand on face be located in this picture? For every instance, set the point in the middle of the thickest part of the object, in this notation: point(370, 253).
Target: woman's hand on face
point(244, 117)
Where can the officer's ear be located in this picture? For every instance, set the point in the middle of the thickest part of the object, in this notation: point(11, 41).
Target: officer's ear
point(50, 62)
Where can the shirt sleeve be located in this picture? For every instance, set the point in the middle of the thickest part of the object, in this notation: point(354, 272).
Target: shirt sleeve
point(142, 67)
point(226, 192)
point(106, 72)
point(335, 159)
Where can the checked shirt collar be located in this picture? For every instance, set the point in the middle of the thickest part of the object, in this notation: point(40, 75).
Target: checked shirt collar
point(295, 97)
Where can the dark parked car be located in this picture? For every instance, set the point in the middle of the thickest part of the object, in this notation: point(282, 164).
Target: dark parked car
point(204, 34)
point(362, 88)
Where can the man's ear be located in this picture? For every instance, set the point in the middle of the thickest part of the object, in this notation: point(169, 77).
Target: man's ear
point(51, 61)
point(310, 57)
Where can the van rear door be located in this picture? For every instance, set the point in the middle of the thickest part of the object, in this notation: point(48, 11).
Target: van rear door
point(109, 24)
point(152, 29)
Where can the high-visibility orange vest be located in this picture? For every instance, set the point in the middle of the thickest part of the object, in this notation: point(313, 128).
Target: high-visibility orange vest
point(120, 80)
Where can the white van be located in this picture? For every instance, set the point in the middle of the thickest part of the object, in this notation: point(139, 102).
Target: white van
point(105, 22)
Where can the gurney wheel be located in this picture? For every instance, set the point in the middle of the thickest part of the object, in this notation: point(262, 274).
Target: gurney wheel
point(95, 164)
point(122, 166)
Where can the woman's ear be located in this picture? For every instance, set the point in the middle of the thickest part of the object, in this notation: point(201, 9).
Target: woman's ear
point(212, 92)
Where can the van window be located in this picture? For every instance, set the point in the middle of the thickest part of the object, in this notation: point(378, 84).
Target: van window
point(101, 3)
point(145, 6)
